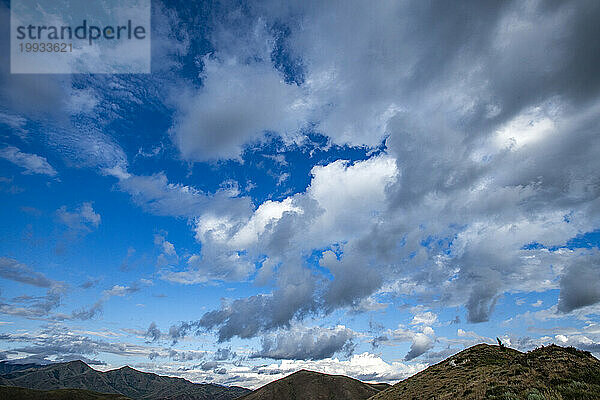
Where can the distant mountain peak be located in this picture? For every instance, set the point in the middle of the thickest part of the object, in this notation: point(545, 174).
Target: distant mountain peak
point(311, 385)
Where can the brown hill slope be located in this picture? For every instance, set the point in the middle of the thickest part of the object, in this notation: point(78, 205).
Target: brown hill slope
point(492, 372)
point(125, 381)
point(13, 392)
point(308, 385)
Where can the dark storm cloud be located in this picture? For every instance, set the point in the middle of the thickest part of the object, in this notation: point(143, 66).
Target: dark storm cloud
point(352, 280)
point(307, 344)
point(580, 286)
point(481, 303)
point(248, 317)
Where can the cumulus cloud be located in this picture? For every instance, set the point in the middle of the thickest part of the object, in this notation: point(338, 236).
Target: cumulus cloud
point(236, 104)
point(489, 116)
point(224, 354)
point(307, 343)
point(422, 340)
point(365, 366)
point(427, 318)
point(484, 154)
point(283, 230)
point(179, 331)
point(421, 344)
point(123, 290)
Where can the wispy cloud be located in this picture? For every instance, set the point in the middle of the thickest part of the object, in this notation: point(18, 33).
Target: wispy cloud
point(31, 163)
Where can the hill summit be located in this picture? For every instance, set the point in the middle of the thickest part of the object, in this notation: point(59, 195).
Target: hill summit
point(309, 385)
point(493, 372)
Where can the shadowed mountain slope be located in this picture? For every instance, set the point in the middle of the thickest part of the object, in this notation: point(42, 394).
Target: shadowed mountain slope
point(308, 385)
point(7, 367)
point(493, 372)
point(125, 381)
point(13, 392)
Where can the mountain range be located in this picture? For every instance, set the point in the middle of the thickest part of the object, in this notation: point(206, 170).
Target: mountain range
point(125, 381)
point(479, 372)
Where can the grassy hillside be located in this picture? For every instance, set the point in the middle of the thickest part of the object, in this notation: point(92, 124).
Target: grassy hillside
point(308, 385)
point(492, 372)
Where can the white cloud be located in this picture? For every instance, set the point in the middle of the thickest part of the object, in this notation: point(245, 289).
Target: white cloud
point(427, 318)
point(484, 156)
point(340, 199)
point(212, 265)
point(31, 163)
point(157, 195)
point(166, 247)
point(351, 196)
point(236, 103)
point(420, 345)
point(267, 213)
point(118, 290)
point(534, 124)
point(421, 342)
point(84, 218)
point(366, 367)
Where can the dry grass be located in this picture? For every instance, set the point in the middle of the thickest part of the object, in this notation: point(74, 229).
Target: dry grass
point(491, 372)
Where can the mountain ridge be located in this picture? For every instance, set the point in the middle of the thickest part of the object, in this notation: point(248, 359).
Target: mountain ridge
point(124, 381)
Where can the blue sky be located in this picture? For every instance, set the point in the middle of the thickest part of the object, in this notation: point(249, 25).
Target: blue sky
point(365, 196)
